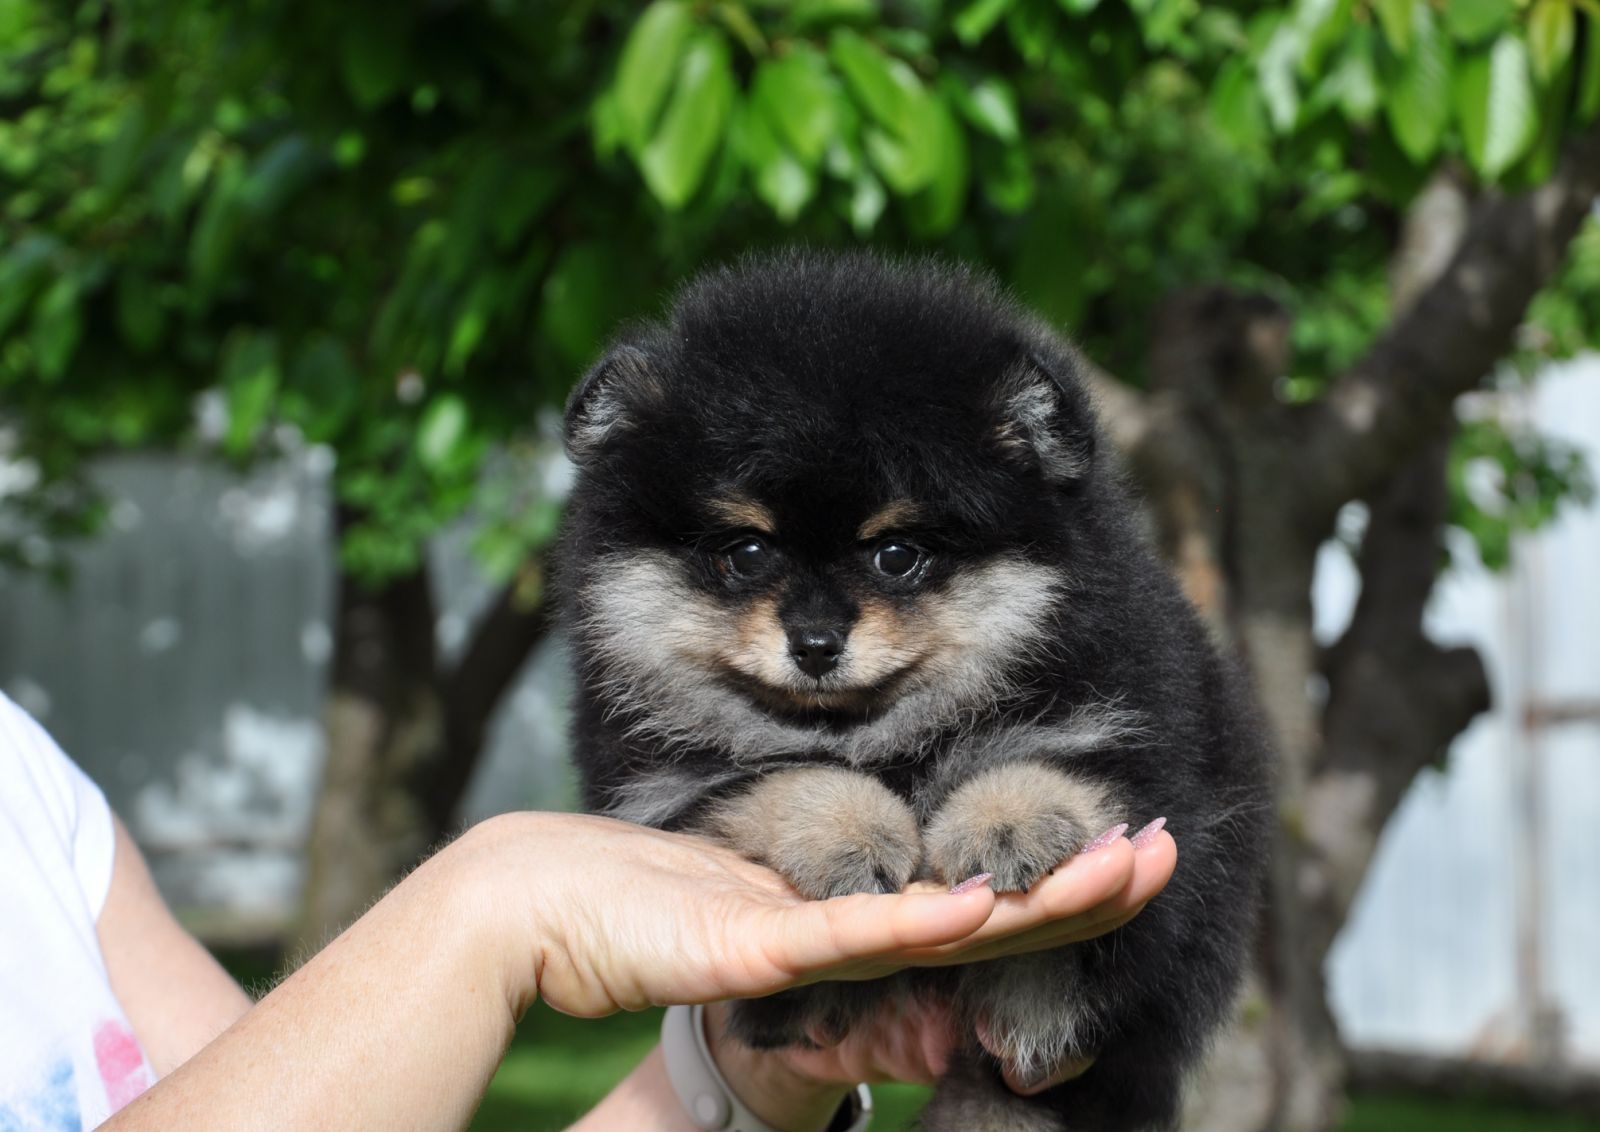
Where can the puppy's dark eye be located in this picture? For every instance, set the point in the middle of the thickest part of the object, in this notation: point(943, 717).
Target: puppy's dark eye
point(748, 557)
point(896, 559)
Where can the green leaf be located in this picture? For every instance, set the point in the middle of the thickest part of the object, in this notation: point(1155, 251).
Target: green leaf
point(1552, 27)
point(605, 122)
point(1054, 257)
point(57, 327)
point(23, 268)
point(1008, 182)
point(1588, 100)
point(978, 18)
point(1353, 83)
point(800, 100)
point(650, 59)
point(283, 168)
point(472, 321)
point(1397, 18)
point(1276, 72)
point(1496, 106)
point(867, 202)
point(937, 208)
point(675, 159)
point(1031, 25)
point(885, 87)
point(990, 104)
point(1080, 7)
point(120, 158)
point(250, 382)
point(443, 427)
point(1236, 105)
point(215, 232)
point(785, 184)
point(584, 296)
point(906, 166)
point(1324, 25)
point(1474, 21)
point(141, 318)
point(1418, 106)
point(374, 60)
point(904, 147)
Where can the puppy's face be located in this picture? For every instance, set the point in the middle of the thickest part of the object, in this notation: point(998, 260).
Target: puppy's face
point(800, 526)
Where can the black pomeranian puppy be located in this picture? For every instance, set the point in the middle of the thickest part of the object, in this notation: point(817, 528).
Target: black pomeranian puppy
point(852, 586)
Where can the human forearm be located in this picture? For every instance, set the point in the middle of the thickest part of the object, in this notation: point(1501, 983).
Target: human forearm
point(400, 1021)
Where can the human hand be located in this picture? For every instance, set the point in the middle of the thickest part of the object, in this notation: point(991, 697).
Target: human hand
point(598, 915)
point(913, 1041)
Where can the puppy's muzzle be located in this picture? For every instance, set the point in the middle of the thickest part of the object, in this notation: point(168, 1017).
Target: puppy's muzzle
point(816, 651)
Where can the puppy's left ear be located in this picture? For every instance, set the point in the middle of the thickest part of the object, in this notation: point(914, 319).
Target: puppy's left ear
point(609, 400)
point(1043, 422)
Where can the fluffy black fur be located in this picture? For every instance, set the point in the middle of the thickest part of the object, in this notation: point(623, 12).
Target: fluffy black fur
point(822, 389)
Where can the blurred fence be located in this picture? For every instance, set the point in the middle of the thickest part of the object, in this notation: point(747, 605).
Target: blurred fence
point(183, 668)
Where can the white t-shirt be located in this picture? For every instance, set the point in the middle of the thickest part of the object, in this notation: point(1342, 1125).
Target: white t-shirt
point(68, 1058)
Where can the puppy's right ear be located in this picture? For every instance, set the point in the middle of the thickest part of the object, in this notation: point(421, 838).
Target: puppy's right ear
point(609, 400)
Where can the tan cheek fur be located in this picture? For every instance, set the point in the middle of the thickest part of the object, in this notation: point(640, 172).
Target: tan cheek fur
point(759, 646)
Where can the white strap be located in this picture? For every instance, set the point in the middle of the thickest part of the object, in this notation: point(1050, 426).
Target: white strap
point(706, 1096)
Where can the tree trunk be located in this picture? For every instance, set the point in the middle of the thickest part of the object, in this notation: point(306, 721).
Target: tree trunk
point(383, 722)
point(1244, 489)
point(402, 736)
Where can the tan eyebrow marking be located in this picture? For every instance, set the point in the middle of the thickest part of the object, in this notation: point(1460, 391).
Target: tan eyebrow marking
point(896, 514)
point(742, 511)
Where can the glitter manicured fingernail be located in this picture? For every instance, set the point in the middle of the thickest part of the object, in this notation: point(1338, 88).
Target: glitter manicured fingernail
point(1148, 834)
point(1106, 838)
point(971, 883)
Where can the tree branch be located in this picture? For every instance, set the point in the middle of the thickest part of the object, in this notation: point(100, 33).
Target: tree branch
point(505, 636)
point(1453, 335)
point(1396, 699)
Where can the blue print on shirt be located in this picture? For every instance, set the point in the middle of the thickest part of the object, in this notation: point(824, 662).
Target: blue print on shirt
point(54, 1109)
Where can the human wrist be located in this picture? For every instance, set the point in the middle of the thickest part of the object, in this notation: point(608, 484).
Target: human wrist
point(494, 890)
point(769, 1084)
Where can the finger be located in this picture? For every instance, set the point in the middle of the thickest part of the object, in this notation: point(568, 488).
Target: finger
point(1067, 900)
point(938, 1034)
point(1153, 867)
point(829, 937)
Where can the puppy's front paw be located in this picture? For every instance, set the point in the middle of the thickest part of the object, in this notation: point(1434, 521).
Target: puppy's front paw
point(828, 831)
point(1017, 821)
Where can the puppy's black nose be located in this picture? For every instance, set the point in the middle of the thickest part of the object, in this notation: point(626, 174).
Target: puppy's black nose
point(816, 651)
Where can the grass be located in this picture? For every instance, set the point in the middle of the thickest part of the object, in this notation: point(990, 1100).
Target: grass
point(558, 1067)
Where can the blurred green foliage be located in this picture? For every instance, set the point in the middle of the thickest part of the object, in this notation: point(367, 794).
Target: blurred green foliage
point(402, 229)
